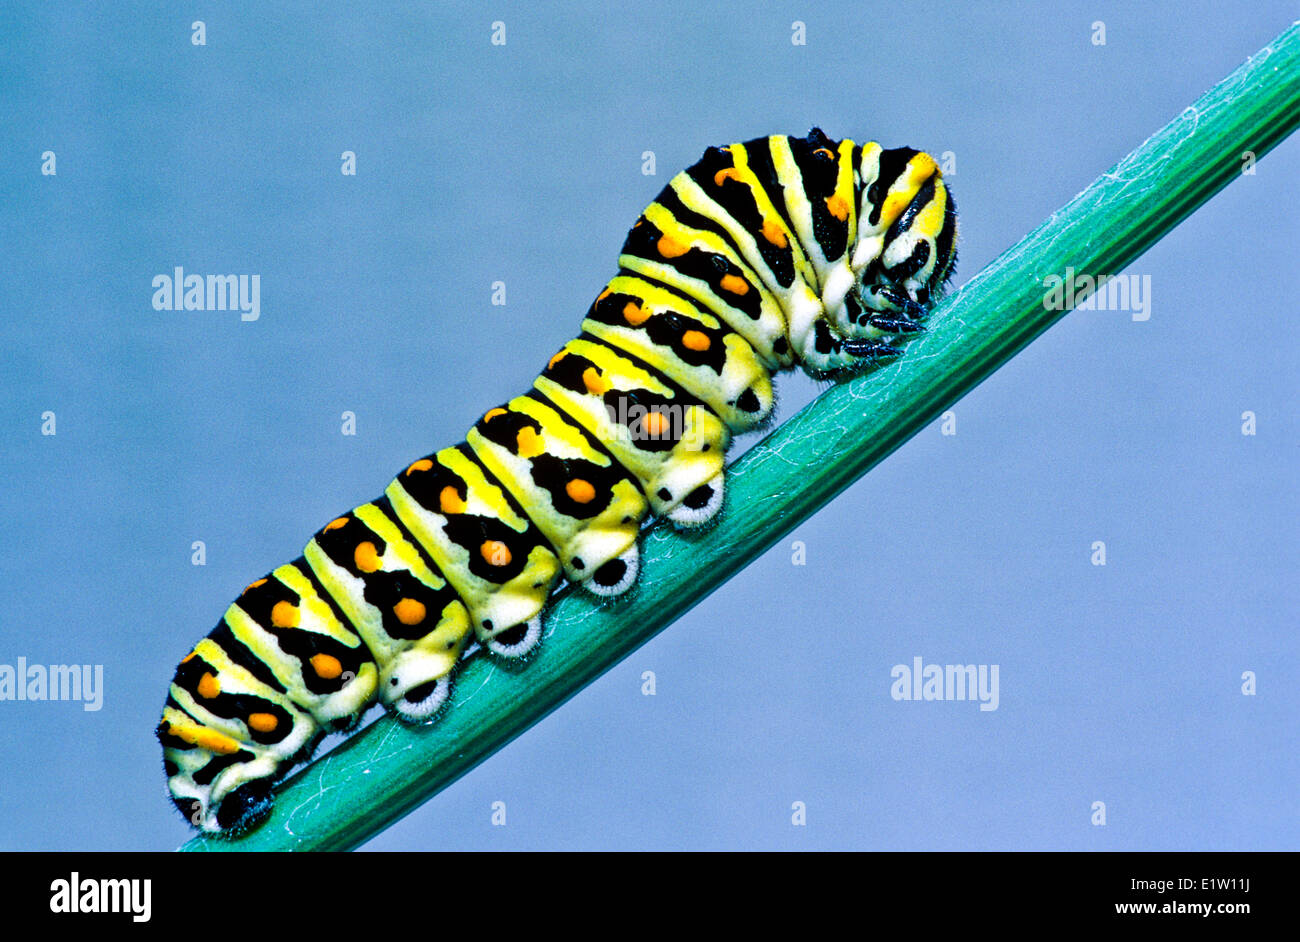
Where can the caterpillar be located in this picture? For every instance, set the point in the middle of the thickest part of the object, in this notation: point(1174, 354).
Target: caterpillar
point(762, 256)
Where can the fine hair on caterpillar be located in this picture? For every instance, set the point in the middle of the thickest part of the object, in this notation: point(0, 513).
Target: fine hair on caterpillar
point(775, 253)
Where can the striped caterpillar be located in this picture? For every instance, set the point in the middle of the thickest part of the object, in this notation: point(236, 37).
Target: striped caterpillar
point(777, 252)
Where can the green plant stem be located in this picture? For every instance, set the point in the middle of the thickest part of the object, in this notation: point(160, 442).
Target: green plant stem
point(386, 770)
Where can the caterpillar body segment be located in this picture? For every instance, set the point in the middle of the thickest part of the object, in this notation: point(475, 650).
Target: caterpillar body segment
point(329, 671)
point(763, 255)
point(669, 441)
point(584, 503)
point(710, 361)
point(704, 267)
point(489, 550)
point(408, 615)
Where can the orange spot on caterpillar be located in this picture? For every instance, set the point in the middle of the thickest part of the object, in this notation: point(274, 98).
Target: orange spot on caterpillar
point(189, 657)
point(634, 314)
point(735, 284)
point(528, 444)
point(424, 464)
point(207, 739)
point(671, 248)
point(773, 233)
point(727, 173)
point(696, 340)
point(495, 553)
point(367, 557)
point(550, 364)
point(284, 615)
point(655, 424)
point(262, 722)
point(208, 686)
point(826, 151)
point(493, 413)
point(608, 291)
point(596, 384)
point(326, 666)
point(254, 585)
point(409, 611)
point(580, 491)
point(449, 501)
point(837, 206)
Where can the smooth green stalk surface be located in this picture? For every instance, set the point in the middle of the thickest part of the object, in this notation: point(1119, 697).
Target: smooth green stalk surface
point(387, 769)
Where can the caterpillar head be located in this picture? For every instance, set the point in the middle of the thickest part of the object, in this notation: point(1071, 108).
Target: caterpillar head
point(907, 233)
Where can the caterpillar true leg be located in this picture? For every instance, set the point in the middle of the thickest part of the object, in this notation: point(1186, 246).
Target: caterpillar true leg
point(761, 256)
point(883, 296)
point(872, 351)
point(888, 309)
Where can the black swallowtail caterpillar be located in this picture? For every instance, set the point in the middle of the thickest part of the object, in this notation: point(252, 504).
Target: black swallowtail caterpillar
point(777, 252)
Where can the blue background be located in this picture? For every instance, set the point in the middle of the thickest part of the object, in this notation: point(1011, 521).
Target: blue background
point(522, 163)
